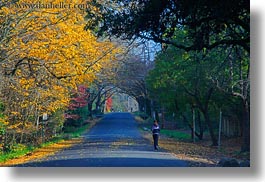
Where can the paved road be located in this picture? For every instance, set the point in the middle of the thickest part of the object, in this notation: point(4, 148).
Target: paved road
point(114, 142)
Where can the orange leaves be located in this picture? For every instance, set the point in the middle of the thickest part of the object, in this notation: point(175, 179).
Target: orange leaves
point(4, 11)
point(47, 53)
point(42, 152)
point(14, 126)
point(3, 121)
point(26, 83)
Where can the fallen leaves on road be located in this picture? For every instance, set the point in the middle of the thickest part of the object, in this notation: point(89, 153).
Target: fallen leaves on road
point(122, 142)
point(42, 152)
point(47, 150)
point(196, 154)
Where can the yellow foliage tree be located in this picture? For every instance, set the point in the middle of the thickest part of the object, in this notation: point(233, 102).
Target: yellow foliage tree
point(45, 53)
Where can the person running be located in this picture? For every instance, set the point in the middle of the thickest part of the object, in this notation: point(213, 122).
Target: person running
point(156, 132)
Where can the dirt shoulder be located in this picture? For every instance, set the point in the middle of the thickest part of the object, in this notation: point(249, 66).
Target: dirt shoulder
point(46, 151)
point(42, 152)
point(200, 153)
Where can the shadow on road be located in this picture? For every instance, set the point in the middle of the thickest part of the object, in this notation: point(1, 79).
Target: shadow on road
point(108, 162)
point(113, 142)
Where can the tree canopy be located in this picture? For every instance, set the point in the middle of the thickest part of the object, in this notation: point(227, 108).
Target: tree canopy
point(208, 23)
point(45, 54)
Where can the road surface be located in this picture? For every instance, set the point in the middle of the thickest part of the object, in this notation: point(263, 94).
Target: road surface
point(114, 142)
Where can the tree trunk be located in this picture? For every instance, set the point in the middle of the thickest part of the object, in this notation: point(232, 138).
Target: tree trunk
point(200, 135)
point(246, 127)
point(148, 107)
point(98, 104)
point(89, 107)
point(22, 133)
point(185, 120)
point(141, 103)
point(157, 116)
point(210, 127)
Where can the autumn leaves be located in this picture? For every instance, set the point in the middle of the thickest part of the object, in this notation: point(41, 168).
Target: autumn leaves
point(44, 55)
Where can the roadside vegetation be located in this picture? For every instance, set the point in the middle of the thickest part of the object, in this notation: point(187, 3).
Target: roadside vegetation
point(199, 153)
point(22, 153)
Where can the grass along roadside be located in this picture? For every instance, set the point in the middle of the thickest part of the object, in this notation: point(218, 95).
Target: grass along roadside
point(198, 154)
point(176, 134)
point(25, 154)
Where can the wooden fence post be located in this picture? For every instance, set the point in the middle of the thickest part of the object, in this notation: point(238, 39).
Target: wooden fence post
point(220, 129)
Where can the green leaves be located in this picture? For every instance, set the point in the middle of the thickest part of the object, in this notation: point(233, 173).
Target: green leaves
point(207, 24)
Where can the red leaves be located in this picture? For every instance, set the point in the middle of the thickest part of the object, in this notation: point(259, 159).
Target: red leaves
point(79, 100)
point(108, 104)
point(71, 116)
